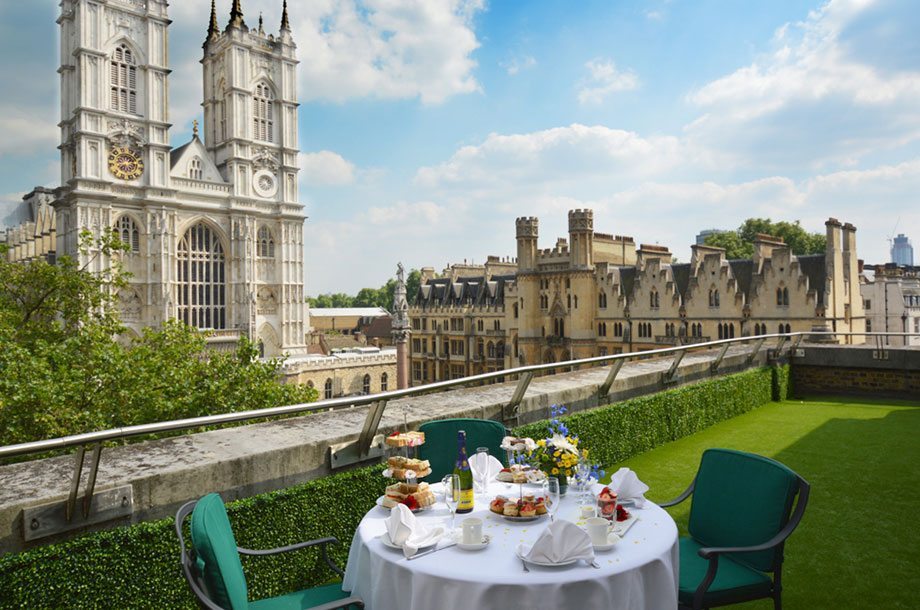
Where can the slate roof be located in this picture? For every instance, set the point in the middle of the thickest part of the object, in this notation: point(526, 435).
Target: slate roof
point(743, 270)
point(681, 273)
point(440, 292)
point(814, 268)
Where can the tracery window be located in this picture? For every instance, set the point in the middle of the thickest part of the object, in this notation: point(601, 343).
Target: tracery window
point(128, 233)
point(123, 80)
point(194, 169)
point(202, 282)
point(327, 389)
point(266, 246)
point(263, 113)
point(366, 384)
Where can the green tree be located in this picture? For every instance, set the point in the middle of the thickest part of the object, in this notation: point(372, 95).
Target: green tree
point(63, 369)
point(369, 297)
point(740, 243)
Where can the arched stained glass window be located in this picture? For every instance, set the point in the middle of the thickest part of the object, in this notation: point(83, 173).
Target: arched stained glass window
point(201, 279)
point(263, 120)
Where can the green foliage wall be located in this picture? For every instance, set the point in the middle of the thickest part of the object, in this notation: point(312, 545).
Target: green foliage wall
point(619, 431)
point(138, 566)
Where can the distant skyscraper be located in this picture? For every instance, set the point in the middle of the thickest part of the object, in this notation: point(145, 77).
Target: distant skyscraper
point(702, 235)
point(902, 253)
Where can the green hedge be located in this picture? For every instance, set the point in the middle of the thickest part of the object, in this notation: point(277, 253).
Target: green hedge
point(619, 431)
point(138, 566)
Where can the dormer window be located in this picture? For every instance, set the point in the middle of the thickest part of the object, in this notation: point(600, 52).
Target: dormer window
point(263, 121)
point(123, 80)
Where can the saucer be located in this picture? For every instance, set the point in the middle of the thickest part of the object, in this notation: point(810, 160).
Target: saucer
point(475, 546)
point(612, 541)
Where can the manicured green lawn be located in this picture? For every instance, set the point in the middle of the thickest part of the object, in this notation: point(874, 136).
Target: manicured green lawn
point(859, 543)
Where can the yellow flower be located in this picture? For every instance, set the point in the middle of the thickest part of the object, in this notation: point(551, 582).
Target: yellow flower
point(555, 471)
point(541, 442)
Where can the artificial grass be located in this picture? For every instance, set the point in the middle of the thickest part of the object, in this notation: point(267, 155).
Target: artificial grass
point(858, 545)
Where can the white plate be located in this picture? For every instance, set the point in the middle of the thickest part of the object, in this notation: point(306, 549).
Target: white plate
point(520, 519)
point(473, 547)
point(545, 564)
point(385, 539)
point(417, 510)
point(621, 527)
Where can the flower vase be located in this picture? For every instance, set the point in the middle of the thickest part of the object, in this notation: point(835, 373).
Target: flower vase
point(563, 484)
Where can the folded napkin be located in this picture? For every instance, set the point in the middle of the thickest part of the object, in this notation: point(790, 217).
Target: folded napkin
point(628, 487)
point(484, 468)
point(406, 531)
point(560, 541)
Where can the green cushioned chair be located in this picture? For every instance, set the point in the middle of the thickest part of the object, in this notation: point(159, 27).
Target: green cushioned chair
point(741, 515)
point(440, 446)
point(213, 569)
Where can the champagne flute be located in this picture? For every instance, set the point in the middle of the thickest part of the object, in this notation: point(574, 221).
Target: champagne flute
point(583, 475)
point(450, 485)
point(551, 488)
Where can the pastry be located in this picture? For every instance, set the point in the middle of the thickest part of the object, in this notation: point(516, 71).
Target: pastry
point(540, 506)
point(406, 439)
point(511, 509)
point(400, 465)
point(498, 505)
point(529, 498)
point(528, 510)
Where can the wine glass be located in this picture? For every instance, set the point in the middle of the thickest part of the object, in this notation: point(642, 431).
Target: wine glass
point(583, 476)
point(450, 485)
point(551, 488)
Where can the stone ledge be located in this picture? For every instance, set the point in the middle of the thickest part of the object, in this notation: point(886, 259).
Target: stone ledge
point(247, 460)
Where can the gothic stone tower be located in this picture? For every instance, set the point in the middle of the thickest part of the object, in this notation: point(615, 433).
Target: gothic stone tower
point(214, 228)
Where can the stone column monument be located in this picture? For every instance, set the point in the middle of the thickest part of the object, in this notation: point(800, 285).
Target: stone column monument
point(401, 329)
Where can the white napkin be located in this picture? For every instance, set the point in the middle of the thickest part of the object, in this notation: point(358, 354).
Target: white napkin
point(484, 468)
point(628, 487)
point(560, 541)
point(405, 531)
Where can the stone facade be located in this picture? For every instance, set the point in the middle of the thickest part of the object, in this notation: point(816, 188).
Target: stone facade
point(214, 227)
point(892, 303)
point(359, 371)
point(597, 294)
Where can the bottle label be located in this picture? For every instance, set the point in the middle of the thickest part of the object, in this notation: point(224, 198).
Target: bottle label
point(466, 501)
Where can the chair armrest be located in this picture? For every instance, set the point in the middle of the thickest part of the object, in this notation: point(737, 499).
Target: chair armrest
point(708, 552)
point(681, 497)
point(340, 603)
point(290, 547)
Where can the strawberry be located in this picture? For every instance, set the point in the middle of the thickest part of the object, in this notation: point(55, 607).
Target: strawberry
point(622, 513)
point(411, 503)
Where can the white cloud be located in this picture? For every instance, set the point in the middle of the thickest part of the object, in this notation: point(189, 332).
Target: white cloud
point(404, 214)
point(560, 154)
point(604, 79)
point(517, 64)
point(325, 168)
point(817, 98)
point(386, 49)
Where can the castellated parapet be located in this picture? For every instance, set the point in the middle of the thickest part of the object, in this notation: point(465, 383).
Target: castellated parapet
point(527, 226)
point(581, 221)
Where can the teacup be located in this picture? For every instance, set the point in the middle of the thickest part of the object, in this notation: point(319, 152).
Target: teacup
point(472, 530)
point(597, 529)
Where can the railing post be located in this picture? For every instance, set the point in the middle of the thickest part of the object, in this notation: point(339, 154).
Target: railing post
point(714, 367)
point(510, 411)
point(668, 376)
point(74, 483)
point(371, 424)
point(604, 390)
point(91, 481)
point(778, 350)
point(753, 354)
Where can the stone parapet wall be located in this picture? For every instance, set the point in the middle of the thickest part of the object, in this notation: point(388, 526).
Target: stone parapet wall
point(857, 370)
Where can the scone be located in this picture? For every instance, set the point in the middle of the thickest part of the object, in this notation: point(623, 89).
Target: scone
point(511, 509)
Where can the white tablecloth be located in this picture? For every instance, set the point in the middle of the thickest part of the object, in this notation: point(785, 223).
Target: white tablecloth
point(640, 571)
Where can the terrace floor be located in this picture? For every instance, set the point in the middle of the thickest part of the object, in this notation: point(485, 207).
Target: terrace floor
point(859, 543)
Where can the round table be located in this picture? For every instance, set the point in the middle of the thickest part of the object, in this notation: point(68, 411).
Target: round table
point(639, 572)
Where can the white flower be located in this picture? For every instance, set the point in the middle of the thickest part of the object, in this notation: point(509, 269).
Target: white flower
point(562, 443)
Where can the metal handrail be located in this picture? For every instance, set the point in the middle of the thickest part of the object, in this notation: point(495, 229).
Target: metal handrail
point(91, 438)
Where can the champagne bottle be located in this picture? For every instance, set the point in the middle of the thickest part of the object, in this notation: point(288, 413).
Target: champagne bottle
point(462, 469)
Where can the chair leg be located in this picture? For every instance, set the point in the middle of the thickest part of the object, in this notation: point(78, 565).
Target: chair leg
point(777, 602)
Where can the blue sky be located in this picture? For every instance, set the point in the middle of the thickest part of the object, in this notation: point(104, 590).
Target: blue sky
point(427, 126)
